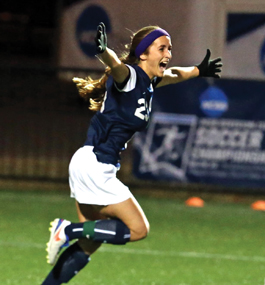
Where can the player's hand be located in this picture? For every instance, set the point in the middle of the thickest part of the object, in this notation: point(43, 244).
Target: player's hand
point(101, 38)
point(210, 68)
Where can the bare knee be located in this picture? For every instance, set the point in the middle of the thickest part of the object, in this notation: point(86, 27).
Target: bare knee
point(140, 231)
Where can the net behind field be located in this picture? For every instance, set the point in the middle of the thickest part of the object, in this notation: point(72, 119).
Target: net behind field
point(43, 122)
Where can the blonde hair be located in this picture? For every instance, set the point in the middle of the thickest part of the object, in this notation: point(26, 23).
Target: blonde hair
point(93, 91)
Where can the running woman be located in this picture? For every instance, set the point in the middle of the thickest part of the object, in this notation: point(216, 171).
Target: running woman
point(122, 97)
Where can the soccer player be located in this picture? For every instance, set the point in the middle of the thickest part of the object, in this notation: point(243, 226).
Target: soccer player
point(122, 97)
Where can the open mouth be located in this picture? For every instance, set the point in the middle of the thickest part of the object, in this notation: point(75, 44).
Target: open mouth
point(163, 65)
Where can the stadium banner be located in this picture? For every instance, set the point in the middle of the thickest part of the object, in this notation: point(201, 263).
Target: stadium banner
point(205, 131)
point(191, 29)
point(192, 32)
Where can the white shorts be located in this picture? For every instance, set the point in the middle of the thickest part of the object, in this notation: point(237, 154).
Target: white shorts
point(93, 182)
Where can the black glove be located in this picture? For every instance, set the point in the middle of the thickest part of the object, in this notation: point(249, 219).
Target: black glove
point(210, 68)
point(101, 38)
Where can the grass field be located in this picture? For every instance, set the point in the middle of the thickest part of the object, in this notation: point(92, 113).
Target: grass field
point(222, 243)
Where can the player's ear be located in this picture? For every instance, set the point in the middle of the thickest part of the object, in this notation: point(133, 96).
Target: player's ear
point(143, 56)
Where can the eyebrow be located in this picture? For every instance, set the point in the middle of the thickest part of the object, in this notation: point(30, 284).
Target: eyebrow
point(170, 46)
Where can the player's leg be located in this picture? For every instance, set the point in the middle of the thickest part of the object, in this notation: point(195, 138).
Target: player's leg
point(132, 215)
point(76, 256)
point(127, 222)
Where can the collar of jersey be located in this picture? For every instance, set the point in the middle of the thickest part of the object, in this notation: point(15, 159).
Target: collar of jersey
point(145, 76)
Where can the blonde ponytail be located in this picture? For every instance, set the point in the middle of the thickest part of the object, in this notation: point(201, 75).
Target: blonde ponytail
point(91, 90)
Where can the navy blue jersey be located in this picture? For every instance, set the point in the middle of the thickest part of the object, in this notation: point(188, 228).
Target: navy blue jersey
point(123, 113)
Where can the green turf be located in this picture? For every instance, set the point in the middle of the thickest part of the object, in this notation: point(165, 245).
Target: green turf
point(218, 244)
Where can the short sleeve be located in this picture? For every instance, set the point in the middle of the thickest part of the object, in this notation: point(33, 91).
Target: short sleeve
point(131, 83)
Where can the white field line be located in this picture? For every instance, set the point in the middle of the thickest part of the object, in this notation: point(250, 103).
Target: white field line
point(119, 249)
point(185, 254)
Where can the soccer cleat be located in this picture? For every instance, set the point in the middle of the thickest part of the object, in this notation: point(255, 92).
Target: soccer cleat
point(58, 239)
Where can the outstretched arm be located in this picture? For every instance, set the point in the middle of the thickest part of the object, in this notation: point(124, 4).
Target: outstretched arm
point(119, 70)
point(207, 68)
point(178, 74)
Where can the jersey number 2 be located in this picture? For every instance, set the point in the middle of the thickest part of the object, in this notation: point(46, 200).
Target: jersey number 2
point(140, 110)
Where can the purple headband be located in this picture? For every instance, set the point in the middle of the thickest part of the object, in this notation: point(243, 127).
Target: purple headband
point(147, 40)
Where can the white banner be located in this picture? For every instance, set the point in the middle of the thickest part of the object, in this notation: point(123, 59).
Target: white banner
point(191, 29)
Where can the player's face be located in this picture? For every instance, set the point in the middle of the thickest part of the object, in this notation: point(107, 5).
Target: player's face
point(159, 54)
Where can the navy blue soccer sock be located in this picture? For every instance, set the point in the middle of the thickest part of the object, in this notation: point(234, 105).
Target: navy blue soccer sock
point(112, 231)
point(70, 262)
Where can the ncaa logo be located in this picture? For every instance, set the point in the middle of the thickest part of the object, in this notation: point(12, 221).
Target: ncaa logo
point(262, 56)
point(213, 102)
point(86, 28)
